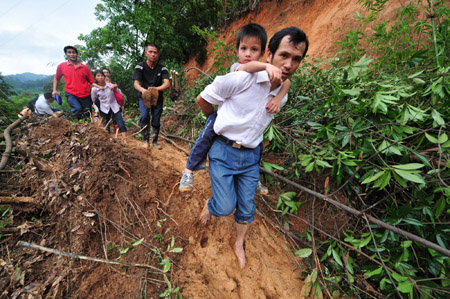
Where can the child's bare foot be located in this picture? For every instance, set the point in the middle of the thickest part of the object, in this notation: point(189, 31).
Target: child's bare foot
point(205, 215)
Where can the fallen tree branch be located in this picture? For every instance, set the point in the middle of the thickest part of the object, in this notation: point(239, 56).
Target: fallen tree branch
point(174, 144)
point(142, 129)
point(197, 69)
point(8, 139)
point(40, 164)
point(83, 257)
point(179, 137)
point(9, 230)
point(301, 132)
point(355, 212)
point(8, 171)
point(6, 200)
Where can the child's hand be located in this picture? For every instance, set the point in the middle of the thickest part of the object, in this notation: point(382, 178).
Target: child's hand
point(274, 73)
point(113, 86)
point(274, 105)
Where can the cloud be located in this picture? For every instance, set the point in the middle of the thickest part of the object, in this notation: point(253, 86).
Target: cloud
point(34, 33)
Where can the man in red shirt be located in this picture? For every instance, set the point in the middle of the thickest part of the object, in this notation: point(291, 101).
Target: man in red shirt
point(78, 78)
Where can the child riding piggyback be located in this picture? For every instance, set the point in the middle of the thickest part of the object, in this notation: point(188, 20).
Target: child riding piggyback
point(250, 46)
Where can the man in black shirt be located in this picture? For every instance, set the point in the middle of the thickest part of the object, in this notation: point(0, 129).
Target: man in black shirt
point(151, 73)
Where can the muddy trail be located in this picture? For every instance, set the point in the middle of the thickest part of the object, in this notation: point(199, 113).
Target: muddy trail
point(91, 195)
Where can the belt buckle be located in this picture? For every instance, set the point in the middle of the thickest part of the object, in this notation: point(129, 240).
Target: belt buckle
point(236, 145)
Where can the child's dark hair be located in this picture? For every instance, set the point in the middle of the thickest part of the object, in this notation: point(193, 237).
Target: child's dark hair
point(252, 30)
point(98, 72)
point(296, 36)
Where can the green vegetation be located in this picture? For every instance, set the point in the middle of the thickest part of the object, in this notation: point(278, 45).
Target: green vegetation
point(380, 113)
point(176, 26)
point(375, 119)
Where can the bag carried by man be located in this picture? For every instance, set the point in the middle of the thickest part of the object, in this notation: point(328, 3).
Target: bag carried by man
point(150, 97)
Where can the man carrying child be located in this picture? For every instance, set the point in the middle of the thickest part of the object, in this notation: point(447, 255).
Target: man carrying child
point(250, 47)
point(243, 116)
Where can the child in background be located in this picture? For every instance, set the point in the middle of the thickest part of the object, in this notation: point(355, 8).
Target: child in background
point(250, 46)
point(108, 106)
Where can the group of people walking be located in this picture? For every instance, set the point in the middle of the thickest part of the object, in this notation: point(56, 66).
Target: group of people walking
point(85, 92)
point(246, 99)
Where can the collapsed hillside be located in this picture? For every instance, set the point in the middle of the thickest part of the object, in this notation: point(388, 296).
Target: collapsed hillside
point(95, 197)
point(324, 22)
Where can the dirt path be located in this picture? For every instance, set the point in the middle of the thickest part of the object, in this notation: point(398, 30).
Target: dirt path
point(209, 267)
point(100, 196)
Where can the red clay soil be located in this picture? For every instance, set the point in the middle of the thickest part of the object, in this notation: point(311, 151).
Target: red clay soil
point(100, 195)
point(324, 22)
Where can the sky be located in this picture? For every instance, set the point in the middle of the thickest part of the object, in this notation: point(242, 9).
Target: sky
point(33, 33)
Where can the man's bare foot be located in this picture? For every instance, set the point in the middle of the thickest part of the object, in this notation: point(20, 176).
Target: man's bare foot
point(205, 215)
point(239, 251)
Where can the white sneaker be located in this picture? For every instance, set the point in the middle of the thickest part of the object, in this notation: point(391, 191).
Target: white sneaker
point(186, 182)
point(261, 189)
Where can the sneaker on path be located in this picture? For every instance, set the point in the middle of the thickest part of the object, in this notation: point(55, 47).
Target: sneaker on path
point(186, 182)
point(261, 189)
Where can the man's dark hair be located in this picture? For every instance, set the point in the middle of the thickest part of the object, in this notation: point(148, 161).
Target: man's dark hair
point(48, 95)
point(296, 36)
point(105, 68)
point(150, 44)
point(70, 47)
point(252, 30)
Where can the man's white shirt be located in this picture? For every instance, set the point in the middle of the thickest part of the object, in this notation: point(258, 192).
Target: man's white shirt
point(42, 106)
point(242, 98)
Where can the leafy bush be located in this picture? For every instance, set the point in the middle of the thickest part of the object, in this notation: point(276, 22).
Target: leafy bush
point(379, 113)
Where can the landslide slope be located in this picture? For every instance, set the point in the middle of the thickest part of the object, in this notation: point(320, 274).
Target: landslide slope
point(95, 196)
point(324, 22)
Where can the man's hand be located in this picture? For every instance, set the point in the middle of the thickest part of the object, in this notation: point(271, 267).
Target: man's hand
point(206, 107)
point(274, 73)
point(274, 105)
point(54, 92)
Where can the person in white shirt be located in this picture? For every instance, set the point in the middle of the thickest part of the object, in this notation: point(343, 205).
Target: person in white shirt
point(108, 106)
point(42, 105)
point(241, 120)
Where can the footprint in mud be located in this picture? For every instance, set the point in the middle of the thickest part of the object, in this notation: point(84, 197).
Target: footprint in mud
point(204, 242)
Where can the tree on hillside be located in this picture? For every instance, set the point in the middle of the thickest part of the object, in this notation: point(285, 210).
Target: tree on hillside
point(131, 23)
point(6, 90)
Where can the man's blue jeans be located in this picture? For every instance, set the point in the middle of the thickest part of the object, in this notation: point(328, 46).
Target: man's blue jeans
point(156, 112)
point(80, 107)
point(234, 177)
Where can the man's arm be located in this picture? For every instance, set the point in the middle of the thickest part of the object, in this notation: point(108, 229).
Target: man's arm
point(92, 85)
point(206, 107)
point(138, 87)
point(256, 66)
point(165, 85)
point(55, 86)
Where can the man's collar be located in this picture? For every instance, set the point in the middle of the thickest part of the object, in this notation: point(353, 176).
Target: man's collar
point(68, 63)
point(156, 63)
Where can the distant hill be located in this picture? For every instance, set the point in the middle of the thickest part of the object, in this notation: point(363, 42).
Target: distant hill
point(28, 81)
point(24, 77)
